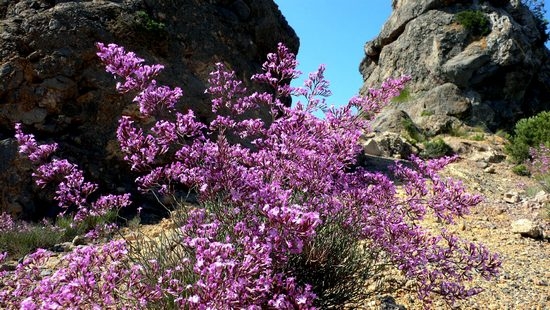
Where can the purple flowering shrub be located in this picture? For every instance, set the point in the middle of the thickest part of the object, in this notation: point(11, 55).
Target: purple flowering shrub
point(265, 204)
point(539, 165)
point(271, 216)
point(539, 168)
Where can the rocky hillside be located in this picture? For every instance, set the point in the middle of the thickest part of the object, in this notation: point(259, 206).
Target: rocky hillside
point(474, 63)
point(52, 81)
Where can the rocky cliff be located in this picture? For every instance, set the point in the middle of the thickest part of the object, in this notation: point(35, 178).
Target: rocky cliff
point(52, 81)
point(488, 70)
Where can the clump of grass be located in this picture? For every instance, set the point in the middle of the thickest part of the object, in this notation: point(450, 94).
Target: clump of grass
point(475, 22)
point(147, 23)
point(458, 131)
point(335, 251)
point(477, 137)
point(20, 238)
point(471, 133)
point(521, 170)
point(20, 241)
point(427, 113)
point(503, 134)
point(436, 148)
point(404, 96)
point(414, 134)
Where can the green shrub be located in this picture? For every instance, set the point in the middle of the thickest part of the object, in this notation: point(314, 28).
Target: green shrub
point(149, 24)
point(474, 21)
point(435, 149)
point(521, 169)
point(529, 132)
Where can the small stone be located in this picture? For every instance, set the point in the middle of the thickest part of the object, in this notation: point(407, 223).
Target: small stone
point(45, 272)
point(371, 147)
point(63, 247)
point(527, 228)
point(54, 24)
point(541, 282)
point(489, 170)
point(542, 197)
point(511, 197)
point(482, 164)
point(79, 240)
point(388, 303)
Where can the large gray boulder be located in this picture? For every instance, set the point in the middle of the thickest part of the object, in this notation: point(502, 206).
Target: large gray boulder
point(459, 77)
point(52, 81)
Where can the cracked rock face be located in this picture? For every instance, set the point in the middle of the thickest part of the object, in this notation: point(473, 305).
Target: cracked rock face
point(459, 77)
point(52, 81)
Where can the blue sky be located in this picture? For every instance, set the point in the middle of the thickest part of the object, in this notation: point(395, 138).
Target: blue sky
point(334, 33)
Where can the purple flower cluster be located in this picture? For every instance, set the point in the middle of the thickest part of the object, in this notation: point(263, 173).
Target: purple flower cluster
point(138, 76)
point(6, 222)
point(90, 277)
point(259, 206)
point(539, 164)
point(72, 189)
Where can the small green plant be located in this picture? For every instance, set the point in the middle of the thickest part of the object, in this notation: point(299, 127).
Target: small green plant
point(477, 137)
point(427, 113)
point(532, 191)
point(529, 132)
point(436, 148)
point(404, 96)
point(475, 22)
point(503, 134)
point(414, 133)
point(458, 131)
point(147, 23)
point(539, 168)
point(521, 169)
point(73, 229)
